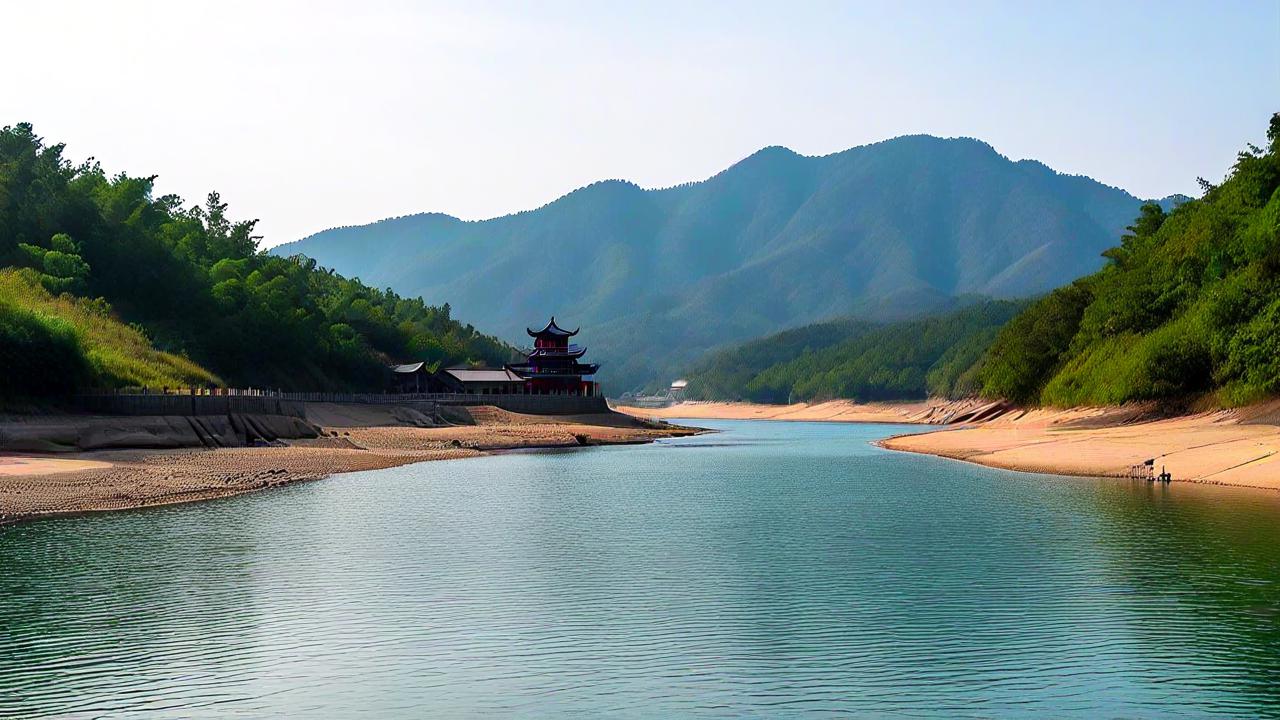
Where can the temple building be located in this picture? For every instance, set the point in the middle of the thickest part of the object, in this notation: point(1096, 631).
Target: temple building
point(552, 366)
point(412, 378)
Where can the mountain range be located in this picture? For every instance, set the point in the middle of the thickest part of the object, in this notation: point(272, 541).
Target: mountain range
point(657, 277)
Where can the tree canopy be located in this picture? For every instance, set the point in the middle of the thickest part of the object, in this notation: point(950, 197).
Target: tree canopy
point(1188, 305)
point(194, 282)
point(858, 360)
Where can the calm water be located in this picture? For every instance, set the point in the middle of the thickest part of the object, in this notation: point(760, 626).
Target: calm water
point(774, 569)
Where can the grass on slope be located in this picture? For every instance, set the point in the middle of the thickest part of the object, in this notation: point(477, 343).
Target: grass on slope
point(52, 344)
point(1188, 308)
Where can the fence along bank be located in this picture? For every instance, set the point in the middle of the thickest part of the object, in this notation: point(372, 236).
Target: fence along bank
point(232, 401)
point(552, 380)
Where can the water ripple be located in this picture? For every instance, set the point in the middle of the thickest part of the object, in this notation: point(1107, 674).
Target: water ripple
point(778, 569)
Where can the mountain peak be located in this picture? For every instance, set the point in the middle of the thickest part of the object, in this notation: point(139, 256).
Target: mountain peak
point(777, 239)
point(772, 151)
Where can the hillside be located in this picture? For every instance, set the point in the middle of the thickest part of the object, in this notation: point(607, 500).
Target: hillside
point(51, 345)
point(657, 277)
point(850, 359)
point(1188, 305)
point(122, 288)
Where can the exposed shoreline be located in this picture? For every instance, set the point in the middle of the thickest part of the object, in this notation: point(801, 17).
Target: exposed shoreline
point(1235, 448)
point(39, 486)
point(1238, 448)
point(832, 411)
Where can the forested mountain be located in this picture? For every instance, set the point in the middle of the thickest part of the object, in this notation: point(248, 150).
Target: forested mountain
point(934, 356)
point(85, 253)
point(657, 277)
point(1188, 305)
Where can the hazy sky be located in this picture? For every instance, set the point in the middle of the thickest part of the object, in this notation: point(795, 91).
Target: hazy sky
point(310, 115)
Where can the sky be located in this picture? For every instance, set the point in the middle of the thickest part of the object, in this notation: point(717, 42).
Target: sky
point(311, 115)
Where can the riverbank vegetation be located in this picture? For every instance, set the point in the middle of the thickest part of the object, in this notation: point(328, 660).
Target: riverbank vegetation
point(182, 294)
point(1189, 305)
point(931, 356)
point(55, 344)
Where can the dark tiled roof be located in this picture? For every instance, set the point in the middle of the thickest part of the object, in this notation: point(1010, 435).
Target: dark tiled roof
point(551, 329)
point(484, 375)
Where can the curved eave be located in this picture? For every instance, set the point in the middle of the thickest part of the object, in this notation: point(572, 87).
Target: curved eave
point(551, 329)
point(572, 351)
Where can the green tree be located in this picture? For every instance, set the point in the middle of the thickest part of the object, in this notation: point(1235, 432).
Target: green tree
point(194, 279)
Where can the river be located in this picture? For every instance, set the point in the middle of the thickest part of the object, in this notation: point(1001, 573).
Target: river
point(772, 569)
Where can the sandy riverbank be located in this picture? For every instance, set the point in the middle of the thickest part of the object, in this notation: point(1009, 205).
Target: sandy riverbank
point(1224, 447)
point(73, 483)
point(923, 412)
point(1228, 447)
point(833, 411)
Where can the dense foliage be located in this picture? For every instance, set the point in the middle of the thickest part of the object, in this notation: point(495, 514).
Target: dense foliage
point(195, 283)
point(939, 355)
point(1188, 305)
point(725, 374)
point(56, 344)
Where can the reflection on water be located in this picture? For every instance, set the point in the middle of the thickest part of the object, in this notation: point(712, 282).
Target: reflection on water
point(775, 569)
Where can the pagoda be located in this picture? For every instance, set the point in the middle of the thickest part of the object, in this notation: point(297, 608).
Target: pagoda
point(552, 366)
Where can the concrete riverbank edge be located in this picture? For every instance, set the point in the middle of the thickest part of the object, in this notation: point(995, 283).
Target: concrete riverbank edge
point(75, 483)
point(1239, 447)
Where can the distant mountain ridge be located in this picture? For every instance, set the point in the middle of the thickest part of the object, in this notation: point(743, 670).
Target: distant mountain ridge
point(657, 277)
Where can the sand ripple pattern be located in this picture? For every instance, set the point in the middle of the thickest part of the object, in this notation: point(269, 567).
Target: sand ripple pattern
point(773, 570)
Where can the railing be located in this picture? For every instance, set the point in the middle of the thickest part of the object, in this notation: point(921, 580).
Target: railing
point(335, 397)
point(217, 401)
point(648, 401)
point(190, 404)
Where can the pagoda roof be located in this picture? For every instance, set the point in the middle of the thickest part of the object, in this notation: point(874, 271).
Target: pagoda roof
point(551, 330)
point(407, 369)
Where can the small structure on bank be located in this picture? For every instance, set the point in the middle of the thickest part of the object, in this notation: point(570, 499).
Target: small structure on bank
point(675, 394)
point(412, 378)
point(551, 367)
point(1146, 471)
